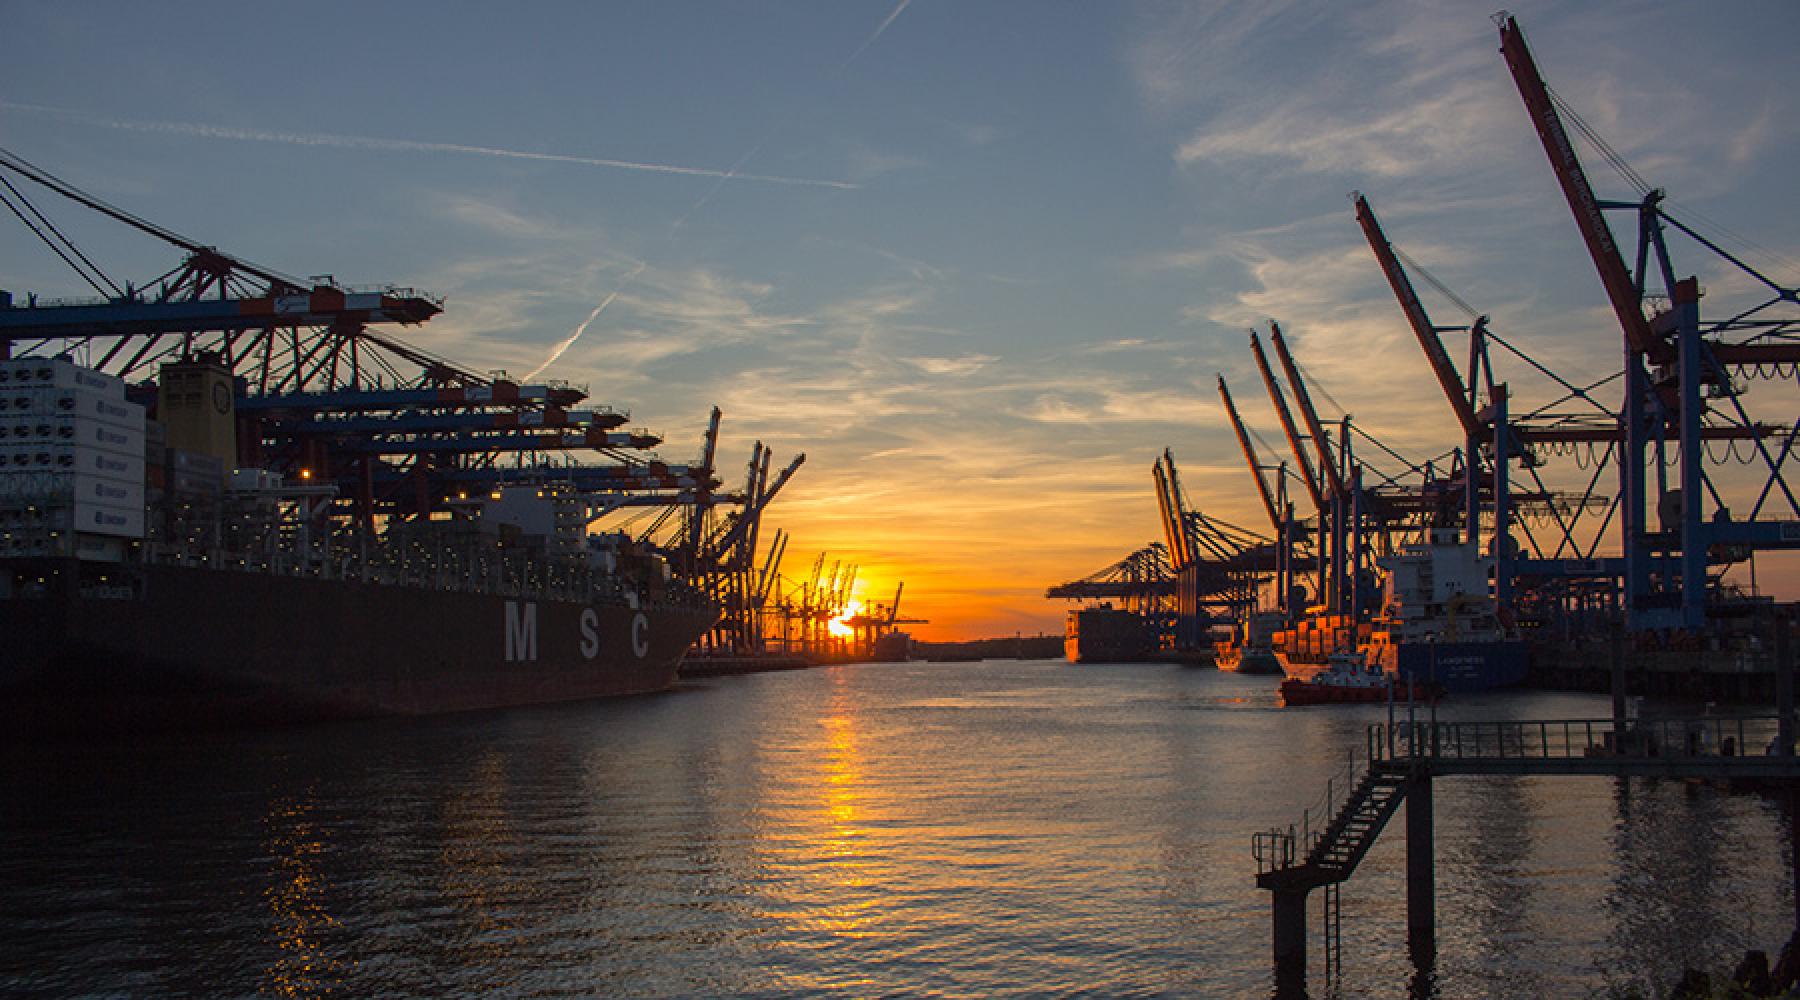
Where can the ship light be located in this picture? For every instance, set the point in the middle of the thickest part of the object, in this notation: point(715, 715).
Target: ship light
point(305, 473)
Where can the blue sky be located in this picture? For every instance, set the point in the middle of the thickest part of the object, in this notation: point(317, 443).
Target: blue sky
point(980, 261)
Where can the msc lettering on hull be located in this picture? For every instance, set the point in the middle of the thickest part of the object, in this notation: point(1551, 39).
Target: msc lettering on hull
point(522, 632)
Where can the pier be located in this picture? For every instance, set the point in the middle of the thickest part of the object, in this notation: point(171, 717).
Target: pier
point(1397, 767)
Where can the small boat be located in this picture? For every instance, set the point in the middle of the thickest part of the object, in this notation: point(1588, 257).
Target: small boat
point(1348, 678)
point(1249, 650)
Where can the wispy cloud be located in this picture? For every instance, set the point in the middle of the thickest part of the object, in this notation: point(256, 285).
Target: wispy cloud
point(866, 164)
point(499, 220)
point(1310, 135)
point(966, 365)
point(373, 144)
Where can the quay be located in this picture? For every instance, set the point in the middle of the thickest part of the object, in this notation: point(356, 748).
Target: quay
point(1400, 761)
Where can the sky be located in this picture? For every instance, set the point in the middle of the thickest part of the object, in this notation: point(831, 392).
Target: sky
point(980, 262)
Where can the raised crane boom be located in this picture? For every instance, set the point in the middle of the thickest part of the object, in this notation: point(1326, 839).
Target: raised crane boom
point(1621, 290)
point(1307, 475)
point(1168, 504)
point(1420, 321)
point(1179, 509)
point(1243, 436)
point(1307, 412)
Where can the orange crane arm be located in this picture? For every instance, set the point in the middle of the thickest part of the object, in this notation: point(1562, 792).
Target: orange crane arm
point(1243, 437)
point(1307, 413)
point(1188, 555)
point(1168, 517)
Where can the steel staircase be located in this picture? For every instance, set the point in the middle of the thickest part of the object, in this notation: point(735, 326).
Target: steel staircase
point(1337, 848)
point(1350, 834)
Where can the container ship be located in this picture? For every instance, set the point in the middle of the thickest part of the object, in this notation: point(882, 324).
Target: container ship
point(1104, 634)
point(1251, 650)
point(228, 493)
point(146, 580)
point(1438, 627)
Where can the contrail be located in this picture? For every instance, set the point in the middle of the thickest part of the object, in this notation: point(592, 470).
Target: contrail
point(570, 340)
point(729, 174)
point(406, 146)
point(723, 176)
point(878, 30)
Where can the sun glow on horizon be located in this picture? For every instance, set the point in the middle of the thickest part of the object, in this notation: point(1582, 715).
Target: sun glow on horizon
point(837, 626)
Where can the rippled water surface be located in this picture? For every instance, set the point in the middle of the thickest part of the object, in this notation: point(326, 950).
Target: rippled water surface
point(1005, 828)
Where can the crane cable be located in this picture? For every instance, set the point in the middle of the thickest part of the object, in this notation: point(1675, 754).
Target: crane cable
point(1619, 164)
point(53, 244)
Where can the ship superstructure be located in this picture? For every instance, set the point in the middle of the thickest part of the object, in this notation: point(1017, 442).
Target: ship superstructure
point(1251, 647)
point(1439, 624)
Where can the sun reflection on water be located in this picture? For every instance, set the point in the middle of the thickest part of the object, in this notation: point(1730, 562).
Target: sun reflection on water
point(832, 875)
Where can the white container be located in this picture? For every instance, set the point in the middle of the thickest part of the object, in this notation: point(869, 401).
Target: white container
point(98, 548)
point(56, 373)
point(63, 457)
point(79, 404)
point(37, 429)
point(23, 521)
point(254, 479)
point(104, 519)
point(69, 486)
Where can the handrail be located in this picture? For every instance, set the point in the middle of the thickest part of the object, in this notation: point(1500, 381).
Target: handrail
point(1398, 745)
point(1564, 739)
point(1315, 819)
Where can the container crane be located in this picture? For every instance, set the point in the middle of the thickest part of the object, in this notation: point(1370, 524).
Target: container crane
point(1302, 463)
point(312, 391)
point(1673, 364)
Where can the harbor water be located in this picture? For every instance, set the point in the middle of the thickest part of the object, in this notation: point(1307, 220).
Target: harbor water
point(1002, 828)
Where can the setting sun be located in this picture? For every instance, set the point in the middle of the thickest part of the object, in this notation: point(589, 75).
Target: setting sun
point(837, 626)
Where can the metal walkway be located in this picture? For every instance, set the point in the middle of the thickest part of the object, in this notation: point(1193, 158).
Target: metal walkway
point(1400, 760)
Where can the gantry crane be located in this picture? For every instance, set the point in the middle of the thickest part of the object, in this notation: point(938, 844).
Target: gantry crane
point(1684, 384)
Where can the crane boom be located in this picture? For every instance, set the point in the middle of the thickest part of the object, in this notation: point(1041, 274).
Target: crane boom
point(1420, 321)
point(1307, 475)
point(771, 565)
point(754, 506)
point(1186, 553)
point(220, 261)
point(1162, 507)
point(1243, 436)
point(1307, 412)
point(1621, 290)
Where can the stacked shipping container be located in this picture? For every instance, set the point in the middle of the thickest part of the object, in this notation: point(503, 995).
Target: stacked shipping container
point(71, 461)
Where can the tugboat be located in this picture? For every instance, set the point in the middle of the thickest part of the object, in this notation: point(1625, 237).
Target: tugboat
point(1349, 678)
